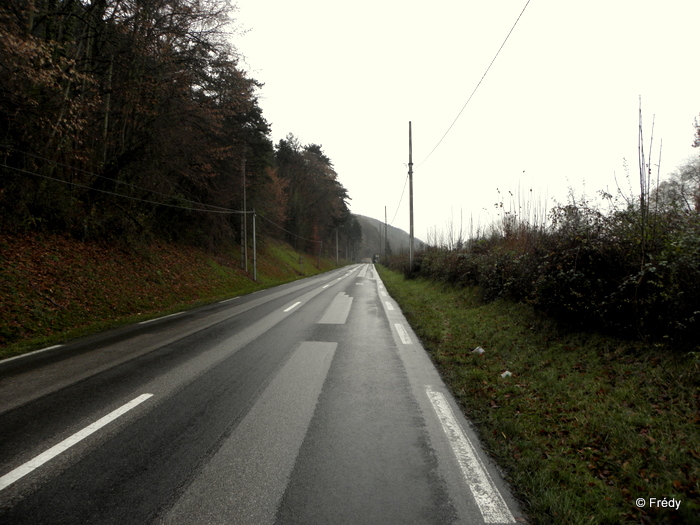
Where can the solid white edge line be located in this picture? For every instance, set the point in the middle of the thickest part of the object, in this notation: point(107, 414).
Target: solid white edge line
point(159, 318)
point(489, 500)
point(21, 471)
point(295, 304)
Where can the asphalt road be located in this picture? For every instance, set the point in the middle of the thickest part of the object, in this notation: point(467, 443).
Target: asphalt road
point(309, 403)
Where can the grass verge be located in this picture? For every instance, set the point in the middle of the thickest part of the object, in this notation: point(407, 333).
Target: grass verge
point(584, 425)
point(54, 289)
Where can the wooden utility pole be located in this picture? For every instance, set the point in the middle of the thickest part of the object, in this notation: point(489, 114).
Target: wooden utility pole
point(381, 242)
point(386, 237)
point(410, 196)
point(244, 224)
point(255, 252)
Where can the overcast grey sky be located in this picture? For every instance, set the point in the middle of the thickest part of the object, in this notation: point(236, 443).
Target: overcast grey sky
point(558, 107)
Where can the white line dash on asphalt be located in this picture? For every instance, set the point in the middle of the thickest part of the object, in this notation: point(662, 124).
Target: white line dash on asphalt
point(159, 318)
point(295, 304)
point(232, 299)
point(21, 356)
point(388, 305)
point(403, 334)
point(21, 471)
point(326, 286)
point(489, 500)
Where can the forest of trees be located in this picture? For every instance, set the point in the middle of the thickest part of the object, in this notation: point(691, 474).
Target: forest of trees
point(131, 119)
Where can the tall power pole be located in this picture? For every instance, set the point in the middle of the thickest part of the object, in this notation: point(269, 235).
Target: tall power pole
point(244, 223)
point(410, 196)
point(381, 240)
point(255, 252)
point(386, 238)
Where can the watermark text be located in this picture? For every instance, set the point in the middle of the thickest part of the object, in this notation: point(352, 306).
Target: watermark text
point(659, 502)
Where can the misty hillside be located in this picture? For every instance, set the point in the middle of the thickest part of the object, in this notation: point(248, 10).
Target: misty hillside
point(372, 240)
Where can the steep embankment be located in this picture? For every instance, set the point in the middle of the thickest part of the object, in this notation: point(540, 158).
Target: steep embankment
point(54, 288)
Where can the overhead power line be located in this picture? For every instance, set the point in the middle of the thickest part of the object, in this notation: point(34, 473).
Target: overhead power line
point(216, 209)
point(285, 230)
point(401, 199)
point(478, 84)
point(115, 181)
point(220, 210)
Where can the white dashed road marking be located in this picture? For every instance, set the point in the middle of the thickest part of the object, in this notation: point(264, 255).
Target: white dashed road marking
point(21, 471)
point(22, 356)
point(403, 334)
point(159, 318)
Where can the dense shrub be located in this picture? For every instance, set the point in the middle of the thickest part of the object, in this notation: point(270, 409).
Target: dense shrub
point(623, 272)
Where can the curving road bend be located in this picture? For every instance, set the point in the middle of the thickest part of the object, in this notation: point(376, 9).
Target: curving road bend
point(312, 402)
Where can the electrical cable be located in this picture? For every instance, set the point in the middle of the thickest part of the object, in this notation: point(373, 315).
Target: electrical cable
point(283, 229)
point(401, 199)
point(113, 180)
point(221, 210)
point(478, 84)
point(217, 210)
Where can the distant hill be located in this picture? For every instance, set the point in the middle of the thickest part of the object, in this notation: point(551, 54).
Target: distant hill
point(372, 240)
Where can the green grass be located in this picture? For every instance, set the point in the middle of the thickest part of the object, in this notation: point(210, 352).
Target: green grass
point(54, 289)
point(584, 426)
